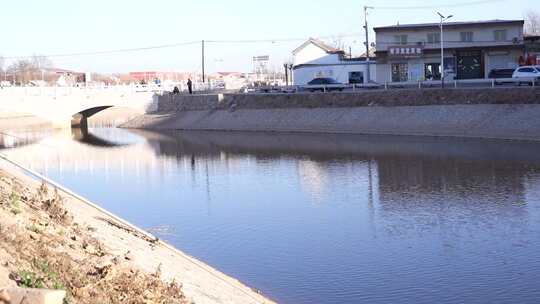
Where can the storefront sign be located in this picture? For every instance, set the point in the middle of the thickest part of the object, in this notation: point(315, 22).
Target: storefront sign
point(405, 51)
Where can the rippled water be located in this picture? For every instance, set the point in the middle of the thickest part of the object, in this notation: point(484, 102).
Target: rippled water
point(323, 218)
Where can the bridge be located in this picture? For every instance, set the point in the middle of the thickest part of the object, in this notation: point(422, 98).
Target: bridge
point(66, 106)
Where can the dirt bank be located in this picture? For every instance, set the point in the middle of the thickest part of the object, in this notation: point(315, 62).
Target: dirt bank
point(51, 239)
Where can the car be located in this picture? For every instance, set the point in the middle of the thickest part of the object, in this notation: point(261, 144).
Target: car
point(501, 73)
point(528, 74)
point(324, 84)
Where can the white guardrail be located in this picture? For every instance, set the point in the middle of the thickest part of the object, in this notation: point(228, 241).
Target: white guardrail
point(462, 83)
point(82, 90)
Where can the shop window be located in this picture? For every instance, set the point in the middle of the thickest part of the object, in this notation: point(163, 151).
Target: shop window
point(500, 35)
point(400, 72)
point(400, 39)
point(466, 36)
point(356, 77)
point(434, 38)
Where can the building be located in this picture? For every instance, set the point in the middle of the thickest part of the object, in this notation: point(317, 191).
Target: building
point(153, 76)
point(532, 50)
point(315, 59)
point(412, 52)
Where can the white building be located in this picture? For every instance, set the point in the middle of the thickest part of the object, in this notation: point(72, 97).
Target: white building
point(315, 59)
point(411, 52)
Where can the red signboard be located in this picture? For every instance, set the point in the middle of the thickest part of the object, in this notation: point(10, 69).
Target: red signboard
point(405, 51)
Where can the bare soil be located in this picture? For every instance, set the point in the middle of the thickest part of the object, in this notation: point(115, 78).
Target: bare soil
point(41, 246)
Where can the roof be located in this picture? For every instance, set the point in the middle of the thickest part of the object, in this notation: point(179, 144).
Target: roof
point(447, 24)
point(325, 47)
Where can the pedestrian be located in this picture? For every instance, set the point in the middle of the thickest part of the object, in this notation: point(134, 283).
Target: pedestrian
point(176, 90)
point(189, 86)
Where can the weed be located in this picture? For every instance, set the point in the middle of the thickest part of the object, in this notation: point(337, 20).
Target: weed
point(33, 228)
point(14, 203)
point(28, 279)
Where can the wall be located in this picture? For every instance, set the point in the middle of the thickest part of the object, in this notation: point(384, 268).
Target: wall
point(314, 55)
point(483, 36)
point(340, 72)
point(508, 113)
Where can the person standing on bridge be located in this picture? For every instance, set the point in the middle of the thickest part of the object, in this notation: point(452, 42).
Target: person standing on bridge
point(189, 86)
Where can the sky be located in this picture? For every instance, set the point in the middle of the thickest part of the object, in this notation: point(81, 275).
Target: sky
point(56, 27)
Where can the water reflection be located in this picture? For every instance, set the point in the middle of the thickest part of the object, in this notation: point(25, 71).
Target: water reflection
point(83, 135)
point(326, 218)
point(10, 139)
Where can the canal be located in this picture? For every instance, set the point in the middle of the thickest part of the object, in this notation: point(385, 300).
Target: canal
point(320, 218)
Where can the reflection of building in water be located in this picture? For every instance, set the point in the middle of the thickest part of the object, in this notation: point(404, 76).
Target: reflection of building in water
point(312, 177)
point(450, 193)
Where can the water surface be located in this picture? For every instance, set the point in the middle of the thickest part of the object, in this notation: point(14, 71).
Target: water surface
point(322, 218)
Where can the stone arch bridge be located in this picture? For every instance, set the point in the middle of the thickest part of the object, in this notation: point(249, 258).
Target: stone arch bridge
point(64, 106)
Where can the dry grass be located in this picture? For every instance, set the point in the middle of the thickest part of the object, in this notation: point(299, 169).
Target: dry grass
point(42, 246)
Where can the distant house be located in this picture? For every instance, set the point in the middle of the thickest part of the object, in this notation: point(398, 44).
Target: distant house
point(412, 52)
point(532, 49)
point(314, 59)
point(227, 80)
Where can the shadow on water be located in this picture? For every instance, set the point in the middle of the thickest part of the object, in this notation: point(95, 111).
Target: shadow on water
point(338, 146)
point(83, 135)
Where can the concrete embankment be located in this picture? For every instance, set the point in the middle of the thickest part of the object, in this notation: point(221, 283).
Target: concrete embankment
point(506, 113)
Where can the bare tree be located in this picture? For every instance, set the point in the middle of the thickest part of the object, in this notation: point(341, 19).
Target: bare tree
point(41, 62)
point(337, 42)
point(24, 71)
point(532, 23)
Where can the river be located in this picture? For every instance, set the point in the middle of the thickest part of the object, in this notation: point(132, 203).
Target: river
point(320, 218)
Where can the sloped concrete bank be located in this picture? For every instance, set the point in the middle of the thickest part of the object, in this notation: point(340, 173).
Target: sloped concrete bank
point(506, 113)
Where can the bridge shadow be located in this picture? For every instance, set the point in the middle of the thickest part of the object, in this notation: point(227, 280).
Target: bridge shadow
point(83, 135)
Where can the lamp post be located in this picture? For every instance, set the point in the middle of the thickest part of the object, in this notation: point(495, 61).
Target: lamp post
point(443, 19)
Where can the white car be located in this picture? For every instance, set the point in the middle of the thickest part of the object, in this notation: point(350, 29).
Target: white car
point(528, 74)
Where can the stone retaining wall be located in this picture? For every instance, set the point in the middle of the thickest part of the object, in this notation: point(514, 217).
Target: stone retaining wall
point(409, 97)
point(507, 113)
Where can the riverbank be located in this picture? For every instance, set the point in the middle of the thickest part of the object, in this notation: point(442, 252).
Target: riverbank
point(502, 113)
point(53, 239)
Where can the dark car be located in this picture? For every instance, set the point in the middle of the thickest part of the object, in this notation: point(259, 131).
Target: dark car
point(501, 73)
point(324, 84)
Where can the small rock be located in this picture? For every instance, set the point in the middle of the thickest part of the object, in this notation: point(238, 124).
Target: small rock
point(129, 256)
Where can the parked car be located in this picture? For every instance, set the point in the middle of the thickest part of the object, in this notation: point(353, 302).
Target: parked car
point(501, 73)
point(324, 84)
point(528, 74)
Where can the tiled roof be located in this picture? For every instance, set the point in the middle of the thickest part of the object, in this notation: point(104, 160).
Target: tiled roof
point(320, 44)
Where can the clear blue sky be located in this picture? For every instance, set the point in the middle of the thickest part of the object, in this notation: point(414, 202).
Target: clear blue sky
point(70, 26)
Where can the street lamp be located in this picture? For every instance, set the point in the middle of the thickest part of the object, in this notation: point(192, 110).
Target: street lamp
point(443, 19)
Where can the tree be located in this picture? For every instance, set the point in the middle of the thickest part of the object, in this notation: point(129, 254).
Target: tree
point(26, 70)
point(532, 23)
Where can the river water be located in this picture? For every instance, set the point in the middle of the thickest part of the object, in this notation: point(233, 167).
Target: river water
point(321, 218)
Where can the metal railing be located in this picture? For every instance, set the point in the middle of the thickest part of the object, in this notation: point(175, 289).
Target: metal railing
point(425, 84)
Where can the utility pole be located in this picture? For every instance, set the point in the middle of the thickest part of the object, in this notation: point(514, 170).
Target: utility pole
point(368, 71)
point(202, 52)
point(443, 19)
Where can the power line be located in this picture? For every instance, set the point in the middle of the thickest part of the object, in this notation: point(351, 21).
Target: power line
point(109, 51)
point(179, 44)
point(461, 4)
